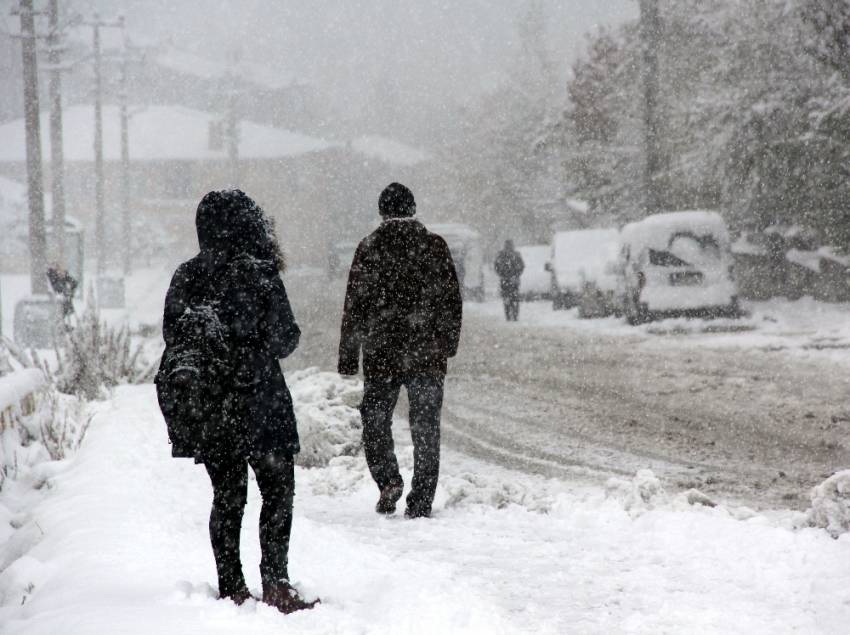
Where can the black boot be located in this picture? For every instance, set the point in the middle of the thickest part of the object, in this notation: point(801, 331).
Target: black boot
point(239, 596)
point(389, 497)
point(285, 598)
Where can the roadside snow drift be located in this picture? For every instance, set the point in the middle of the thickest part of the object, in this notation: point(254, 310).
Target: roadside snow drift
point(115, 541)
point(831, 504)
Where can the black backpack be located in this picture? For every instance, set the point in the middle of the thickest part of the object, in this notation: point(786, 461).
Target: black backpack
point(192, 376)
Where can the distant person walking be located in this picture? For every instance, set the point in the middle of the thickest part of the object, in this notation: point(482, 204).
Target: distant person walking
point(403, 309)
point(509, 267)
point(227, 322)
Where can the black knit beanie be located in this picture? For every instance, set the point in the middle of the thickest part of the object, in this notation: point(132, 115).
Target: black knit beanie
point(396, 201)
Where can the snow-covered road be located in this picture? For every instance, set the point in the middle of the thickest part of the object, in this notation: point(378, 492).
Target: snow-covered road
point(116, 542)
point(757, 415)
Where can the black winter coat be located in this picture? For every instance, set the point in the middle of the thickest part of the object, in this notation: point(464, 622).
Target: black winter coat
point(256, 416)
point(509, 267)
point(403, 306)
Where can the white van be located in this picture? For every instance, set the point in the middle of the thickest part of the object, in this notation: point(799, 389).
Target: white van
point(465, 245)
point(677, 264)
point(580, 258)
point(534, 282)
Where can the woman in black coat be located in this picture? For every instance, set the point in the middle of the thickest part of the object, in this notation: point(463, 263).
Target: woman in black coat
point(234, 284)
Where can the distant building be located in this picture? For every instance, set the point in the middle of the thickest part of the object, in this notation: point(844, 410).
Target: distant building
point(317, 190)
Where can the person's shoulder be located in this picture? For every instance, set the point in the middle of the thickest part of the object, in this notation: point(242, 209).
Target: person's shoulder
point(436, 241)
point(188, 269)
point(249, 268)
point(368, 242)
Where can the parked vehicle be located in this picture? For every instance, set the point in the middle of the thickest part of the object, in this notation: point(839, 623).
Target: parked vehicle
point(465, 245)
point(677, 264)
point(534, 283)
point(583, 264)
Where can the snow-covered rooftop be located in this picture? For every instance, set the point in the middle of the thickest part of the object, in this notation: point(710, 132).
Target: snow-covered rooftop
point(156, 133)
point(388, 150)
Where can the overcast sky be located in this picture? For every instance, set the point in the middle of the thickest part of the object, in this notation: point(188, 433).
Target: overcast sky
point(433, 53)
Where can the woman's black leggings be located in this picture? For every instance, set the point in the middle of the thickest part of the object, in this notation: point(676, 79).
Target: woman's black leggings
point(276, 479)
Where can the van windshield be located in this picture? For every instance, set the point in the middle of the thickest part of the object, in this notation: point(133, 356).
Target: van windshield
point(665, 259)
point(686, 248)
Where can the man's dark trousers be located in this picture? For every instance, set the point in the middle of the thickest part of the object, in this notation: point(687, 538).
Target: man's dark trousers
point(510, 298)
point(425, 394)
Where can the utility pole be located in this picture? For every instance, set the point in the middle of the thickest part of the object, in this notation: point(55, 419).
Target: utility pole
point(99, 185)
point(125, 155)
point(100, 212)
point(232, 119)
point(57, 163)
point(650, 33)
point(32, 123)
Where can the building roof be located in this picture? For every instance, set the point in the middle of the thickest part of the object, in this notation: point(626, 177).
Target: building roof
point(156, 133)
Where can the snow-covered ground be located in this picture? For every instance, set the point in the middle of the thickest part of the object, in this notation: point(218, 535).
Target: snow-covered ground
point(803, 327)
point(114, 540)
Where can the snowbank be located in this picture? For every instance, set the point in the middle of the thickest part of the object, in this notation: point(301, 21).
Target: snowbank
point(18, 385)
point(831, 504)
point(642, 493)
point(326, 407)
point(48, 428)
point(805, 328)
point(468, 489)
point(117, 542)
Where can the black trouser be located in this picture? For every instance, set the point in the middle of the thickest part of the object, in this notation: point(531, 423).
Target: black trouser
point(276, 479)
point(425, 393)
point(510, 298)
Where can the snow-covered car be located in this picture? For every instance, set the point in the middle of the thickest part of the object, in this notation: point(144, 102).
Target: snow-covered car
point(583, 262)
point(534, 283)
point(677, 264)
point(465, 245)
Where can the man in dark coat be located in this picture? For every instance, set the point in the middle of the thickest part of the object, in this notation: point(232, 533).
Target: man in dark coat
point(403, 309)
point(246, 413)
point(509, 267)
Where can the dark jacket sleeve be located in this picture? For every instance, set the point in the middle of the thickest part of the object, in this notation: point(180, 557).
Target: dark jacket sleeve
point(175, 304)
point(449, 303)
point(284, 334)
point(353, 327)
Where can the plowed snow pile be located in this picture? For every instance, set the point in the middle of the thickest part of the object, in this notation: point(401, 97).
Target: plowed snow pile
point(116, 541)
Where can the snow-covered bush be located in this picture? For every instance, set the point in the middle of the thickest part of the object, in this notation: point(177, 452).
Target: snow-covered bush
point(326, 407)
point(642, 493)
point(95, 356)
point(831, 504)
point(38, 424)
